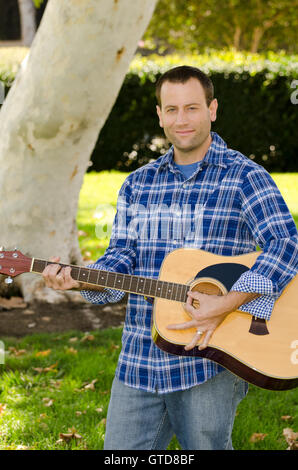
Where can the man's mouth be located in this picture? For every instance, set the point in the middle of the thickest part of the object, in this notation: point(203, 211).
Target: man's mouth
point(185, 132)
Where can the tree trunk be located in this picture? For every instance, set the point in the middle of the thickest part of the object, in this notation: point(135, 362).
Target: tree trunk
point(50, 121)
point(237, 37)
point(27, 20)
point(257, 35)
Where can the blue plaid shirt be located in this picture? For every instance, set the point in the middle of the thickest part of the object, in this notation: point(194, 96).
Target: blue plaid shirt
point(228, 206)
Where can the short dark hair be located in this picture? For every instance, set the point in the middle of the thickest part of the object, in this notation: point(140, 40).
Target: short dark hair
point(182, 74)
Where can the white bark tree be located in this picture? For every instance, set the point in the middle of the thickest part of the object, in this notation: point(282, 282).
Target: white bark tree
point(50, 121)
point(27, 21)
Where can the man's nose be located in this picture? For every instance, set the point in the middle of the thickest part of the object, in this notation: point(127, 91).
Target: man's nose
point(181, 117)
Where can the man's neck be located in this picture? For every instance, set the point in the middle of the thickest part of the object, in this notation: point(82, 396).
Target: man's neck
point(192, 156)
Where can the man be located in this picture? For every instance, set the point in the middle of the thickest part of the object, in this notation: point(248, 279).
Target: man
point(200, 194)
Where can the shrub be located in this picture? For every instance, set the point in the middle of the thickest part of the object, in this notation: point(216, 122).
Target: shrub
point(257, 114)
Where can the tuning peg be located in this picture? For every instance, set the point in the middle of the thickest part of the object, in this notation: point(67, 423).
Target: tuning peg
point(8, 280)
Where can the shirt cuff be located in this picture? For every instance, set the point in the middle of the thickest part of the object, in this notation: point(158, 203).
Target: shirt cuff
point(251, 282)
point(102, 297)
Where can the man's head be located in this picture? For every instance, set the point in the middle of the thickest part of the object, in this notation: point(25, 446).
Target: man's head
point(182, 74)
point(186, 107)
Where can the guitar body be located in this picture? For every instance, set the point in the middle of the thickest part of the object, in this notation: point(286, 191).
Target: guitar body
point(262, 353)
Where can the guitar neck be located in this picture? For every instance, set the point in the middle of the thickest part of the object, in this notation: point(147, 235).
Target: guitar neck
point(125, 282)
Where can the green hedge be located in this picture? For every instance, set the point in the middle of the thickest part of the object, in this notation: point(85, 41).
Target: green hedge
point(256, 114)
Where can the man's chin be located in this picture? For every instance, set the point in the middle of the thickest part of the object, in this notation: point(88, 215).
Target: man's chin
point(186, 148)
point(190, 146)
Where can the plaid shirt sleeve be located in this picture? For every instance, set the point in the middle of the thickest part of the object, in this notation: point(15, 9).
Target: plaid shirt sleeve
point(102, 297)
point(274, 230)
point(120, 254)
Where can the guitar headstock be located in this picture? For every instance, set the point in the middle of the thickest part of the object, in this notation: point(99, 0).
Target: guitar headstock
point(13, 263)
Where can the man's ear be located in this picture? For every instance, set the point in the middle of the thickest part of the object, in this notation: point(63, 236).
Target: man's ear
point(158, 110)
point(213, 109)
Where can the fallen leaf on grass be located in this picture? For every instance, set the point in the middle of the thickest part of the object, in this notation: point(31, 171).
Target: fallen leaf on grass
point(46, 369)
point(90, 386)
point(67, 437)
point(56, 383)
point(291, 438)
point(71, 350)
point(73, 340)
point(86, 386)
point(17, 352)
point(82, 233)
point(43, 353)
point(88, 338)
point(257, 436)
point(286, 418)
point(47, 401)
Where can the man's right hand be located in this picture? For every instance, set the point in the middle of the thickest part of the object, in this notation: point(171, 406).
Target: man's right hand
point(60, 278)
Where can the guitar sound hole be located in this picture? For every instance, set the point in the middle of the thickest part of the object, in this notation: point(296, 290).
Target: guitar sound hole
point(209, 287)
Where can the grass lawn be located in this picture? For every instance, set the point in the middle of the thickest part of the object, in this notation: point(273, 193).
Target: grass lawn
point(97, 207)
point(54, 393)
point(54, 388)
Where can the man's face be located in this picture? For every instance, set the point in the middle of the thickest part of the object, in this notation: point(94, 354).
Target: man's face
point(184, 114)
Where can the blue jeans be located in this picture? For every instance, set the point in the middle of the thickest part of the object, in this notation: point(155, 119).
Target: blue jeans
point(201, 417)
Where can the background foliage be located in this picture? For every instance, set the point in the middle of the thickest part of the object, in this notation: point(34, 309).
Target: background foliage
point(253, 25)
point(256, 113)
point(192, 25)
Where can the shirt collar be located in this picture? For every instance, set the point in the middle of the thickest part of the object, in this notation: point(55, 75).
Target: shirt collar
point(216, 154)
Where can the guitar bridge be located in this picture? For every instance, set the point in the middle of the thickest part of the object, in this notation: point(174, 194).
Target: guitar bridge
point(258, 326)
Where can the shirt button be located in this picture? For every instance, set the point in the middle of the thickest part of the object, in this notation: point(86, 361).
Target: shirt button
point(184, 186)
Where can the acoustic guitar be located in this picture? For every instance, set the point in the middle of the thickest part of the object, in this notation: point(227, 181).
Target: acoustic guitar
point(264, 353)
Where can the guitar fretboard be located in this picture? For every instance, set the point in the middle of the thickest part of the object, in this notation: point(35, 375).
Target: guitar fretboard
point(125, 282)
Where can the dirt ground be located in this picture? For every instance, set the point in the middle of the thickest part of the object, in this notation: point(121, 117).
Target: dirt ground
point(18, 319)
